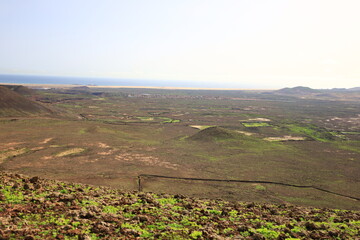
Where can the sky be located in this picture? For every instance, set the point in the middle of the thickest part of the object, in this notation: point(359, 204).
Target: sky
point(256, 43)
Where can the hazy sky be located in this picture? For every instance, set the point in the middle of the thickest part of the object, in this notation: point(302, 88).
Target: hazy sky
point(261, 43)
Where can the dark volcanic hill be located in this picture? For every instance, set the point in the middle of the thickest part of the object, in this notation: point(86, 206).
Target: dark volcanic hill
point(211, 134)
point(20, 89)
point(35, 208)
point(297, 90)
point(357, 89)
point(13, 104)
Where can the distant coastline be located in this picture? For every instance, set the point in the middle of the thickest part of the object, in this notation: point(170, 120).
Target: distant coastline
point(55, 81)
point(48, 86)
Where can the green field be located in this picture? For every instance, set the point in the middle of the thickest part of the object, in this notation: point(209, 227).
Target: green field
point(256, 124)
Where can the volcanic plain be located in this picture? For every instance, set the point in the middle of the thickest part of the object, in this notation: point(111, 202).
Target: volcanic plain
point(108, 137)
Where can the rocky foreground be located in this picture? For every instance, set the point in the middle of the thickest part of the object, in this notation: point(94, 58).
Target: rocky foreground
point(35, 208)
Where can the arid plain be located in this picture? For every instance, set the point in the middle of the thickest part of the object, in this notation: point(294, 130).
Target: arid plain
point(109, 136)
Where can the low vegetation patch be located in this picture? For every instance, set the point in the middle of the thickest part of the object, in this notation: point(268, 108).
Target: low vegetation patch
point(71, 151)
point(35, 208)
point(284, 138)
point(146, 118)
point(169, 120)
point(260, 187)
point(353, 146)
point(256, 120)
point(311, 131)
point(12, 153)
point(256, 124)
point(352, 133)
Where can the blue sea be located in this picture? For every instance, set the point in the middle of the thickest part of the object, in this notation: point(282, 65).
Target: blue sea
point(31, 79)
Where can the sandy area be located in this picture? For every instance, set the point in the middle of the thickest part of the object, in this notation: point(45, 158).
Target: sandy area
point(245, 133)
point(70, 152)
point(285, 138)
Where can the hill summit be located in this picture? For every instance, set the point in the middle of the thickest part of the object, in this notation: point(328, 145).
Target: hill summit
point(212, 134)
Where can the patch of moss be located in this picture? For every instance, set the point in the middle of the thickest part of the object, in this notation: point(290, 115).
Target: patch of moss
point(353, 146)
point(72, 151)
point(311, 131)
point(256, 124)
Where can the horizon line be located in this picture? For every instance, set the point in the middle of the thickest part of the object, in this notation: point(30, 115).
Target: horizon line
point(45, 85)
point(149, 80)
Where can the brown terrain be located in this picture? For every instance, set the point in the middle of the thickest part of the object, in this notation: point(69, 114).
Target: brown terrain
point(110, 136)
point(13, 104)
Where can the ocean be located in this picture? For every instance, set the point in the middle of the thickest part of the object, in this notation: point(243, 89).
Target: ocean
point(31, 79)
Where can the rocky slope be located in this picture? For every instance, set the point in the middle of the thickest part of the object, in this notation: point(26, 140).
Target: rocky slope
point(12, 104)
point(35, 208)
